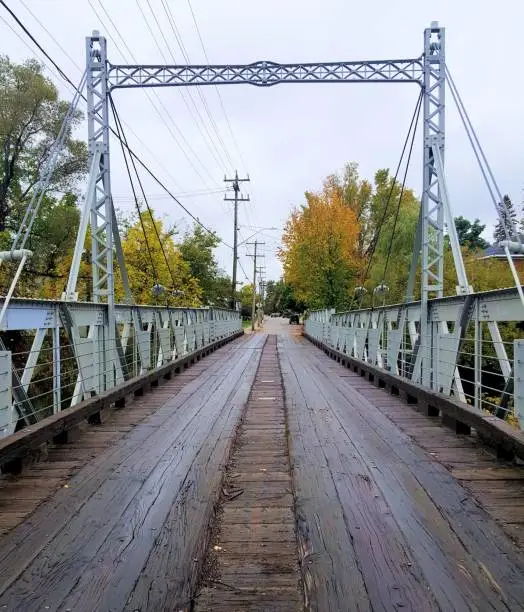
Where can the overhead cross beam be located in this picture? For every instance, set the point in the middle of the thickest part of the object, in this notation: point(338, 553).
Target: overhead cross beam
point(266, 74)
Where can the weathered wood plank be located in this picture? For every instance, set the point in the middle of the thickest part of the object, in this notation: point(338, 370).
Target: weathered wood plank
point(389, 572)
point(248, 556)
point(495, 431)
point(85, 483)
point(329, 563)
point(116, 503)
point(443, 525)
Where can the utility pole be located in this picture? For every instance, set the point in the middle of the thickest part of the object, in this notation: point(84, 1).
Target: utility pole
point(255, 255)
point(238, 198)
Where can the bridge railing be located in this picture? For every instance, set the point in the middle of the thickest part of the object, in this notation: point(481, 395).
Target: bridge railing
point(476, 353)
point(55, 354)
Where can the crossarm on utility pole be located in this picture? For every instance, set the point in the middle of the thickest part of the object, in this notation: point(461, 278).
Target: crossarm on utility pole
point(238, 198)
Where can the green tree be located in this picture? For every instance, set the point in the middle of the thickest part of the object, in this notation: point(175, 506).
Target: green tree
point(31, 115)
point(507, 222)
point(246, 301)
point(280, 297)
point(197, 250)
point(469, 234)
point(52, 241)
point(394, 241)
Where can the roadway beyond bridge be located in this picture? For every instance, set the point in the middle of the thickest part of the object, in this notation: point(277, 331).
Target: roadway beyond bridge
point(264, 477)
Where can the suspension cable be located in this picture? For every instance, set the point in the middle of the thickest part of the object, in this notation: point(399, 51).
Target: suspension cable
point(475, 143)
point(122, 140)
point(113, 131)
point(33, 207)
point(479, 153)
point(121, 129)
point(374, 242)
point(402, 189)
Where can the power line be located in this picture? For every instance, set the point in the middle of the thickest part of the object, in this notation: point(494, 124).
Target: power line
point(185, 94)
point(140, 141)
point(160, 196)
point(181, 45)
point(53, 37)
point(128, 148)
point(243, 271)
point(176, 138)
point(228, 122)
point(64, 51)
point(28, 33)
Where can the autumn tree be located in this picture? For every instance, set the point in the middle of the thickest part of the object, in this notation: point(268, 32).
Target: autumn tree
point(320, 250)
point(153, 259)
point(356, 193)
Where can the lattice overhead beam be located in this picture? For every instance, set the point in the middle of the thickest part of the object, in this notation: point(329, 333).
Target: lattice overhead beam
point(266, 74)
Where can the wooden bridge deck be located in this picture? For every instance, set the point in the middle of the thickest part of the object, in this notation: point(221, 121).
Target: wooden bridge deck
point(381, 508)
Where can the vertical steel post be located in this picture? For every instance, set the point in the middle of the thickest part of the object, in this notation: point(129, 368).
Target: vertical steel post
point(98, 132)
point(432, 205)
point(478, 357)
point(101, 203)
point(57, 383)
point(518, 368)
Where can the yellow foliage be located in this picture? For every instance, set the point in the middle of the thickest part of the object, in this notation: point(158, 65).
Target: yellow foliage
point(320, 249)
point(146, 266)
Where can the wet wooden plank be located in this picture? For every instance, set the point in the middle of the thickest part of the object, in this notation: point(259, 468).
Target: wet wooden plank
point(114, 503)
point(170, 575)
point(254, 545)
point(442, 523)
point(30, 439)
point(389, 575)
point(66, 459)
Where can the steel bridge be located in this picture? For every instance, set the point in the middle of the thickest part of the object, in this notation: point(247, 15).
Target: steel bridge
point(158, 458)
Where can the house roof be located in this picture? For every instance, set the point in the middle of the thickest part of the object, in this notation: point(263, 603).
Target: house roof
point(497, 252)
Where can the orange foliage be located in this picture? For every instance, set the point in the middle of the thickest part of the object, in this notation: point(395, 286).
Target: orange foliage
point(319, 255)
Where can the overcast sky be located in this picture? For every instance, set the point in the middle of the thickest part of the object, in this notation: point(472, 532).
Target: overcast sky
point(290, 137)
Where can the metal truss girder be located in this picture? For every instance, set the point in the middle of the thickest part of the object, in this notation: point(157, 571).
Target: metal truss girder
point(449, 325)
point(266, 74)
point(175, 331)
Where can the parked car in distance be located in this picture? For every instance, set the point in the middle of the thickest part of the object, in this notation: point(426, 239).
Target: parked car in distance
point(294, 318)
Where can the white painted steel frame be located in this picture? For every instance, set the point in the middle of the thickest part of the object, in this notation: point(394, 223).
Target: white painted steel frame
point(387, 336)
point(162, 335)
